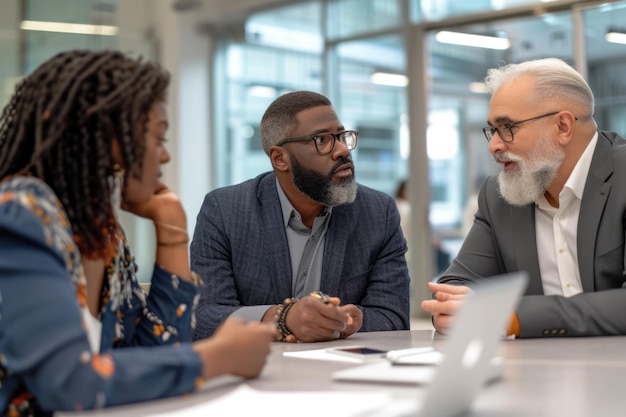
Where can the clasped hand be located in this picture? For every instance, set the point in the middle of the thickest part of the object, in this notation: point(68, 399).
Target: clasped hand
point(448, 299)
point(312, 320)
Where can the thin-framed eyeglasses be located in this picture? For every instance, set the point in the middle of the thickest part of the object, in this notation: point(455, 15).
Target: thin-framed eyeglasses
point(325, 142)
point(505, 130)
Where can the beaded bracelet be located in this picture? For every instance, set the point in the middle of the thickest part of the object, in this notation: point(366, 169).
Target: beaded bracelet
point(281, 320)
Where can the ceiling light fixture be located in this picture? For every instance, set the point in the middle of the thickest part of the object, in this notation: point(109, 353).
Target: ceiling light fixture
point(60, 27)
point(468, 39)
point(385, 78)
point(615, 35)
point(262, 91)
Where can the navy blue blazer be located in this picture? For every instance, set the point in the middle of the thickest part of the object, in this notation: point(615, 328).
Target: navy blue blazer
point(240, 250)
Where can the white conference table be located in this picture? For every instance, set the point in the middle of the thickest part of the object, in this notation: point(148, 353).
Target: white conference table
point(542, 377)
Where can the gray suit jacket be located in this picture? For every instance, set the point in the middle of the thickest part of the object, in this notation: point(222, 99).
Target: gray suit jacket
point(241, 252)
point(503, 239)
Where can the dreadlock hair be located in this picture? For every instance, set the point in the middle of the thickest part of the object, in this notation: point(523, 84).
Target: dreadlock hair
point(60, 125)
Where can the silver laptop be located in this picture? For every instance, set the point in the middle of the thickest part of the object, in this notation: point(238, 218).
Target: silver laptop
point(467, 362)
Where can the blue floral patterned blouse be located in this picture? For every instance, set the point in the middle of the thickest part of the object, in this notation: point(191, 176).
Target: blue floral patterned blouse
point(46, 363)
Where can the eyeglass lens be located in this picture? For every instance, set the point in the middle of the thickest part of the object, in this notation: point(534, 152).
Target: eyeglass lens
point(503, 131)
point(326, 142)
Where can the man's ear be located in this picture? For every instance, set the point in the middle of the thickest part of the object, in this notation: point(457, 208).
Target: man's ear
point(280, 159)
point(566, 125)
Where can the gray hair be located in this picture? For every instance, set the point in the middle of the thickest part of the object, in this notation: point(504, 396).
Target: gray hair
point(553, 78)
point(280, 117)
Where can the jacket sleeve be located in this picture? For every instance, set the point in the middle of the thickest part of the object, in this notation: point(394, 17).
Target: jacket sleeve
point(598, 313)
point(385, 304)
point(211, 258)
point(43, 342)
point(166, 315)
point(481, 257)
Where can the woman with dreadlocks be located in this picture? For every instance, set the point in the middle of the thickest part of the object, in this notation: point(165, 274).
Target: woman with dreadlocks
point(82, 137)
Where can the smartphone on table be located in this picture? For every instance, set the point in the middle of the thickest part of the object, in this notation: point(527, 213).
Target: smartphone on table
point(359, 352)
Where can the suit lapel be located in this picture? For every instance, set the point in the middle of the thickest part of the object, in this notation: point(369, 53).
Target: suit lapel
point(525, 238)
point(592, 205)
point(273, 226)
point(336, 243)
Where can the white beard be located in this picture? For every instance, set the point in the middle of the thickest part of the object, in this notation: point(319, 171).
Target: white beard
point(533, 176)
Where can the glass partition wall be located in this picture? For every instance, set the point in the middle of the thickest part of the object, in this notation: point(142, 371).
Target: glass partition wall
point(413, 94)
point(359, 53)
point(284, 50)
point(457, 102)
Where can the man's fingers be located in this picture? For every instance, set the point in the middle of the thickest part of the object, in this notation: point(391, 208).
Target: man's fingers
point(441, 307)
point(443, 322)
point(445, 296)
point(447, 288)
point(448, 299)
point(336, 301)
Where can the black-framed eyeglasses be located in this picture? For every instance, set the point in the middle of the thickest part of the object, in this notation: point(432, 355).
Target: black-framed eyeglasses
point(325, 142)
point(505, 130)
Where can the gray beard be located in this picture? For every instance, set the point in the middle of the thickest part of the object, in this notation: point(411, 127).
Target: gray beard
point(534, 175)
point(320, 188)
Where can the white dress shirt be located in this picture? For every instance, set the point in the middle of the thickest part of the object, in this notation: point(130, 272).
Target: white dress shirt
point(557, 230)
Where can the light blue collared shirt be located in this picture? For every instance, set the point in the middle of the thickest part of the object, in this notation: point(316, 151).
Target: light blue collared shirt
point(306, 249)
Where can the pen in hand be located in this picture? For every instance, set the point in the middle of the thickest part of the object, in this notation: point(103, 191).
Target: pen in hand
point(320, 296)
point(327, 300)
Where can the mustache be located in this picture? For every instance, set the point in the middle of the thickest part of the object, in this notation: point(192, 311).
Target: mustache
point(506, 156)
point(342, 161)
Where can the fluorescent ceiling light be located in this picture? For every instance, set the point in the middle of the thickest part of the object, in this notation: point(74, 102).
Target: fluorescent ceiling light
point(292, 39)
point(615, 37)
point(69, 28)
point(467, 39)
point(262, 91)
point(385, 78)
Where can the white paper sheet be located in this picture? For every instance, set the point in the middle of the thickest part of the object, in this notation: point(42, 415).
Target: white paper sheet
point(322, 355)
point(247, 401)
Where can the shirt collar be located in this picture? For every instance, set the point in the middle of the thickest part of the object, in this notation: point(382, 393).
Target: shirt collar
point(575, 184)
point(288, 209)
point(578, 177)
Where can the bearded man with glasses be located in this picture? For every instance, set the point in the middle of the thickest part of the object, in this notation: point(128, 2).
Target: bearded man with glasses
point(557, 209)
point(272, 248)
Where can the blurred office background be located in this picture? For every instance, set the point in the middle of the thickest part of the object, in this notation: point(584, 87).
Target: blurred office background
point(405, 73)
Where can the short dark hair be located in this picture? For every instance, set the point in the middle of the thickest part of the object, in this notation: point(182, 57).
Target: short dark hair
point(60, 125)
point(280, 117)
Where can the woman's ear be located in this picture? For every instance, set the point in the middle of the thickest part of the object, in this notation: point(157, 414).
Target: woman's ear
point(280, 159)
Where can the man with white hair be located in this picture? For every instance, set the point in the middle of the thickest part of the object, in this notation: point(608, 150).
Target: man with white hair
point(556, 210)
